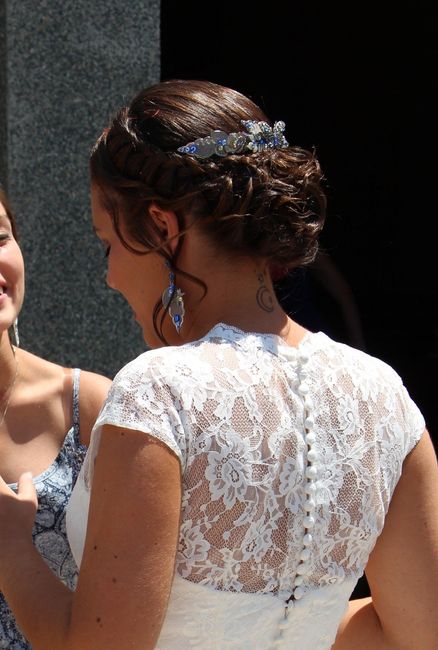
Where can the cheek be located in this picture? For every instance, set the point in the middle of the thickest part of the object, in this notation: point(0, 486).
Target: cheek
point(18, 271)
point(12, 271)
point(109, 275)
point(12, 264)
point(117, 270)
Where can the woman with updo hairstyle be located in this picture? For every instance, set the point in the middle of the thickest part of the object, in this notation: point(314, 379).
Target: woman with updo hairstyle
point(244, 472)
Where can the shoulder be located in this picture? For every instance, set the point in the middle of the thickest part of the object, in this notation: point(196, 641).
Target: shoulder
point(93, 390)
point(166, 364)
point(333, 355)
point(35, 367)
point(93, 387)
point(342, 371)
point(49, 386)
point(43, 381)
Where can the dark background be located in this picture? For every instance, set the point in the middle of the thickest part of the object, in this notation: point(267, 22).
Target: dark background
point(358, 85)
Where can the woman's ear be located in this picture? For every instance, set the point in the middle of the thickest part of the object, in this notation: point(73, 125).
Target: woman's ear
point(167, 222)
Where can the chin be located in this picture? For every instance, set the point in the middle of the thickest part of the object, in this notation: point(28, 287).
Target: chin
point(151, 339)
point(5, 324)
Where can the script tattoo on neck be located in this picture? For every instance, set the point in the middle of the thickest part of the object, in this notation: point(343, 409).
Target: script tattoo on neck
point(264, 295)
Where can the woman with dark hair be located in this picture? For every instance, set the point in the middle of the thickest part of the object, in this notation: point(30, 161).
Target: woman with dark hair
point(46, 415)
point(244, 472)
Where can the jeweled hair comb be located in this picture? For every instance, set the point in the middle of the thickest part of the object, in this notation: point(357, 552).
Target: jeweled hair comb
point(258, 136)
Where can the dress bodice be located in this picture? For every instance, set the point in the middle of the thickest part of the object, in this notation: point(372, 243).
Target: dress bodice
point(203, 618)
point(289, 457)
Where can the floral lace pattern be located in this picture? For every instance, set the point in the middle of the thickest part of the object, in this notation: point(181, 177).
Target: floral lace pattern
point(54, 487)
point(232, 407)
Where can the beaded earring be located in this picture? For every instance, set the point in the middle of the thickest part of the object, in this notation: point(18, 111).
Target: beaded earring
point(16, 336)
point(172, 299)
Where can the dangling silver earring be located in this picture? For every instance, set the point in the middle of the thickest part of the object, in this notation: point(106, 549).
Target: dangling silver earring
point(172, 299)
point(16, 336)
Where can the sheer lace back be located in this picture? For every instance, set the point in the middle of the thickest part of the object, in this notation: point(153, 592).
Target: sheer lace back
point(289, 456)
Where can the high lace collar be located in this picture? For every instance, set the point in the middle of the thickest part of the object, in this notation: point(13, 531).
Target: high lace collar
point(270, 341)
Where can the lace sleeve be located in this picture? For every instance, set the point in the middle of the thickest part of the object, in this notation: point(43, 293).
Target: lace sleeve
point(140, 399)
point(412, 420)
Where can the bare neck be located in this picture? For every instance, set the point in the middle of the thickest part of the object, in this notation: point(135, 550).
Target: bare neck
point(240, 294)
point(7, 361)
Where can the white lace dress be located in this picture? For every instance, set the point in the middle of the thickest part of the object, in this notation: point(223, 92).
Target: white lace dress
point(289, 456)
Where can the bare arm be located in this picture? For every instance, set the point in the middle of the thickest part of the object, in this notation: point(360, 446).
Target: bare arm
point(128, 563)
point(402, 570)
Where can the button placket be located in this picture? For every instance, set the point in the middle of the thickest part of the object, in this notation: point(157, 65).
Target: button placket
point(311, 473)
point(309, 505)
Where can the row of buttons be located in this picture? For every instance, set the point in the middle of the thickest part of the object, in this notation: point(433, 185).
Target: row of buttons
point(303, 567)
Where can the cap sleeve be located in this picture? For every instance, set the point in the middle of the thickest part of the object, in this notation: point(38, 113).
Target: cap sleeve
point(140, 399)
point(411, 419)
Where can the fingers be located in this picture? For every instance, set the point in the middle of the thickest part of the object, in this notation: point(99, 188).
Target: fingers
point(26, 488)
point(17, 514)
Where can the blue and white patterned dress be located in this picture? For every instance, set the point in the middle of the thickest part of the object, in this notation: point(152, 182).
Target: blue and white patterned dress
point(53, 487)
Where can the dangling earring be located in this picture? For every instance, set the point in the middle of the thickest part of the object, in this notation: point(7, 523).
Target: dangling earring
point(16, 336)
point(172, 299)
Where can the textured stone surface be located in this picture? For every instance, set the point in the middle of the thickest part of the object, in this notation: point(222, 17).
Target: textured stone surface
point(3, 104)
point(69, 66)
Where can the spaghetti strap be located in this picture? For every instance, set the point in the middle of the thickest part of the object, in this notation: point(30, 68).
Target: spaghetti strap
point(76, 377)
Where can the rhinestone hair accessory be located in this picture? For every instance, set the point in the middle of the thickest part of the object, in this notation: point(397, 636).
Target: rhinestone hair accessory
point(258, 136)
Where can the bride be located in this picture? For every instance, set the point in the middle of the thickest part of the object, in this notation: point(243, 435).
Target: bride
point(244, 472)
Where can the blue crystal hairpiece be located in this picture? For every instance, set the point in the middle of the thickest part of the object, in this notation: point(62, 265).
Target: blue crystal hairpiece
point(258, 136)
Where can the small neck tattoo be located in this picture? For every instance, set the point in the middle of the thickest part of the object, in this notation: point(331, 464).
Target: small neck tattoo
point(264, 295)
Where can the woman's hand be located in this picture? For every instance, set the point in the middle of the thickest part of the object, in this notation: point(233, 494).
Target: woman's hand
point(17, 516)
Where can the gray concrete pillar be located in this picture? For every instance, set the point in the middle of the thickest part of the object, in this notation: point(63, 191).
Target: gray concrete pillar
point(65, 67)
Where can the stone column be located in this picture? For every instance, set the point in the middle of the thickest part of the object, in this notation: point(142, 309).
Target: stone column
point(65, 67)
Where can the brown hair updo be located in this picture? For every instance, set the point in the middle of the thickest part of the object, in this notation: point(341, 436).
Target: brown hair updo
point(267, 205)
